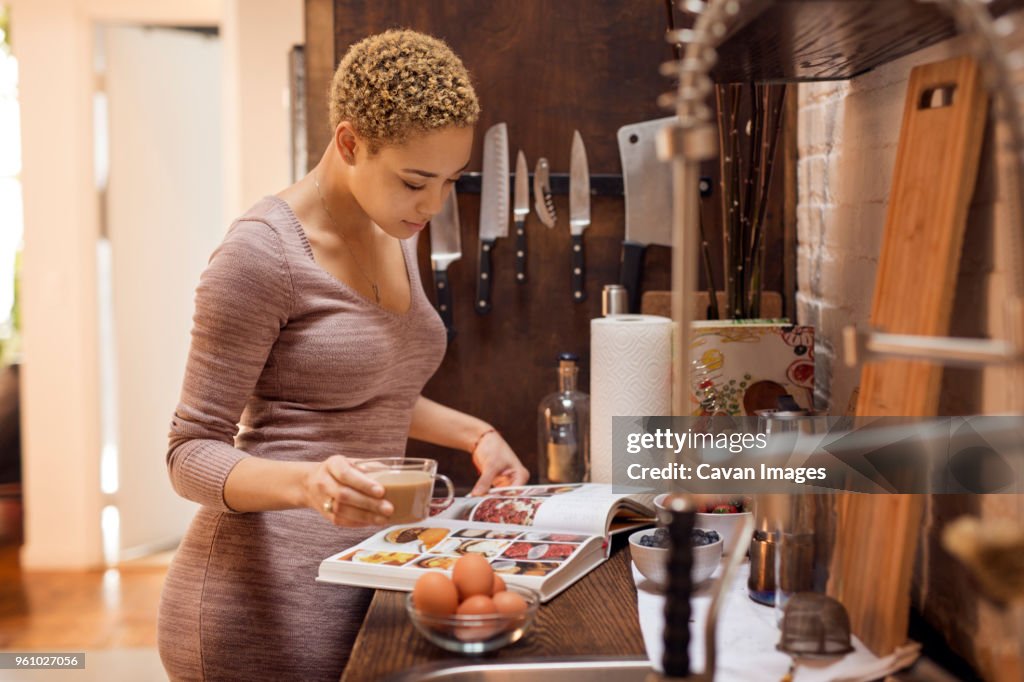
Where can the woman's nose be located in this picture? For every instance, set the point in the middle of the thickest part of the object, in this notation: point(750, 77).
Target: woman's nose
point(433, 200)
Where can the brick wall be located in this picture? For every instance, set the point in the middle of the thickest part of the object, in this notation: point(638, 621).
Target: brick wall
point(848, 132)
point(847, 138)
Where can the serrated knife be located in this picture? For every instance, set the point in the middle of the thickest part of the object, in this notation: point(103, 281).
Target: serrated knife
point(445, 249)
point(543, 202)
point(520, 210)
point(493, 209)
point(579, 213)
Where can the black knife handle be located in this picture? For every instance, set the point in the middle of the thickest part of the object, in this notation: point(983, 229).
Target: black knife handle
point(632, 272)
point(444, 301)
point(521, 251)
point(579, 290)
point(483, 277)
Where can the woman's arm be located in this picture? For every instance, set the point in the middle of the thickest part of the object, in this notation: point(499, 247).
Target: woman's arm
point(435, 423)
point(492, 456)
point(232, 336)
point(257, 484)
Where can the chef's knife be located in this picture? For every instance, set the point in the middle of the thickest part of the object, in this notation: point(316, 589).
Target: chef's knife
point(543, 202)
point(647, 186)
point(493, 209)
point(579, 212)
point(520, 210)
point(445, 248)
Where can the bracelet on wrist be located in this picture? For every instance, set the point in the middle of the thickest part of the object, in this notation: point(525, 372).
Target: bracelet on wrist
point(480, 438)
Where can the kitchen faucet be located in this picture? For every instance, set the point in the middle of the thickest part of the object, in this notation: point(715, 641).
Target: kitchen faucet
point(679, 516)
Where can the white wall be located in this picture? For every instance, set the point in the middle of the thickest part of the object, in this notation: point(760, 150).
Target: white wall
point(163, 216)
point(257, 38)
point(58, 389)
point(53, 41)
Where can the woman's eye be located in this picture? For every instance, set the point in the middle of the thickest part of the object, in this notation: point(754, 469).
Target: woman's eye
point(412, 187)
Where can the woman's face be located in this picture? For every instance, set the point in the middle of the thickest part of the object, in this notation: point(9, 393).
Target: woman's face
point(402, 186)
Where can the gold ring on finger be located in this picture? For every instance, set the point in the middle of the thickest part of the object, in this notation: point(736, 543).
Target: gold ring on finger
point(328, 505)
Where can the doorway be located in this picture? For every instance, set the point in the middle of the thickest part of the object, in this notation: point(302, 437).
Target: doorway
point(159, 174)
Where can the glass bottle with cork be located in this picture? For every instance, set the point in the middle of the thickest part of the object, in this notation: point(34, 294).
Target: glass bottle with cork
point(564, 428)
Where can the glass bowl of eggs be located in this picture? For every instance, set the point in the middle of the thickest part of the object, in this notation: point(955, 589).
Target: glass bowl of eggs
point(472, 612)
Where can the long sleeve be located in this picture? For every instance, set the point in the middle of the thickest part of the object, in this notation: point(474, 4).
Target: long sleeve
point(242, 301)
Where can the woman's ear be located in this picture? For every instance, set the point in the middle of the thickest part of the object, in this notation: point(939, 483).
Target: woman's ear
point(346, 141)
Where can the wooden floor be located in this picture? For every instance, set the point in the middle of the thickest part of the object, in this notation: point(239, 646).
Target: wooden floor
point(75, 611)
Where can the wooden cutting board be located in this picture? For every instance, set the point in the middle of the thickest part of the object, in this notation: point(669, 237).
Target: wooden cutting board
point(660, 303)
point(936, 169)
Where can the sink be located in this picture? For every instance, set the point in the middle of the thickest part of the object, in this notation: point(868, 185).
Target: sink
point(532, 670)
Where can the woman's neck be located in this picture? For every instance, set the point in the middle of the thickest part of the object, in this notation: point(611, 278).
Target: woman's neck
point(343, 214)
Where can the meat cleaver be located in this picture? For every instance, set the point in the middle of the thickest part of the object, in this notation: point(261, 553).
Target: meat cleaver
point(647, 185)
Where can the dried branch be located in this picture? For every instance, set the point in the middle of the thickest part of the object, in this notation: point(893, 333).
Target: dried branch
point(748, 138)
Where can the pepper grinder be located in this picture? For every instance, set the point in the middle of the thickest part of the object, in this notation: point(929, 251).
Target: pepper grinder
point(678, 515)
point(682, 514)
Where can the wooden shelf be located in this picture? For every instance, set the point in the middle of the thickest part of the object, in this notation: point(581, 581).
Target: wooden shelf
point(808, 40)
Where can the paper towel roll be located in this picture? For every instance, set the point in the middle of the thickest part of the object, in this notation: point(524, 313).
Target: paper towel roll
point(630, 375)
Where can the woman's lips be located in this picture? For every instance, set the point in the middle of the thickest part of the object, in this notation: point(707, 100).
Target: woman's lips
point(415, 226)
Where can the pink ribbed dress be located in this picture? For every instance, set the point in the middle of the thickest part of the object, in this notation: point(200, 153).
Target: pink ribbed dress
point(308, 368)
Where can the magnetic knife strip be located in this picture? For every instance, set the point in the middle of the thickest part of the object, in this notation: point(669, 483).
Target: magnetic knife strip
point(601, 184)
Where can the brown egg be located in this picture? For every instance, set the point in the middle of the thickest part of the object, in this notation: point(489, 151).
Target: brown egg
point(478, 605)
point(498, 586)
point(435, 594)
point(474, 629)
point(509, 603)
point(472, 576)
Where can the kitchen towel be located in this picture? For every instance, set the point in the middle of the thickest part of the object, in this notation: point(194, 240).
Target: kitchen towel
point(630, 376)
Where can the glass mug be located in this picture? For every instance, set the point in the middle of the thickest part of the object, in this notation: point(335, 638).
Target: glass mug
point(408, 484)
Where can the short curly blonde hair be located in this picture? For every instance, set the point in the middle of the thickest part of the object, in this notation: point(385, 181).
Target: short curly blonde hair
point(401, 82)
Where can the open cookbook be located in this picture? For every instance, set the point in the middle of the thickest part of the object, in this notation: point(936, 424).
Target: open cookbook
point(545, 537)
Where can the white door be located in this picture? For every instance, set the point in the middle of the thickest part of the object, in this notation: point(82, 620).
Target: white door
point(164, 218)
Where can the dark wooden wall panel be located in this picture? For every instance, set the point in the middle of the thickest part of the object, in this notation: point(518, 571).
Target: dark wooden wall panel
point(320, 62)
point(545, 68)
point(831, 39)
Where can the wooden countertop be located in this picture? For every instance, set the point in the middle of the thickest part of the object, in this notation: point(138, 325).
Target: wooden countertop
point(597, 616)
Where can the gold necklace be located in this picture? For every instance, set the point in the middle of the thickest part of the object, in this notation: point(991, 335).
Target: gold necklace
point(373, 244)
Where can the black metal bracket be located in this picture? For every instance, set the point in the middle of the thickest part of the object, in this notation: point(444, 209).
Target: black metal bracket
point(602, 185)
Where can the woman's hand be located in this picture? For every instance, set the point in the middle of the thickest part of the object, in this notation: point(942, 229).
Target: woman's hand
point(346, 496)
point(497, 464)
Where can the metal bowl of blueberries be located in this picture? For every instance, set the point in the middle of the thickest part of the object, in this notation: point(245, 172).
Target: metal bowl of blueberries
point(649, 551)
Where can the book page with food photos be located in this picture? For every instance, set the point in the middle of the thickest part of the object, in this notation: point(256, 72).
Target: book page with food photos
point(395, 557)
point(545, 537)
point(580, 507)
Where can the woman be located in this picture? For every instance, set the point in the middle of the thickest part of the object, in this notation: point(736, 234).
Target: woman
point(312, 331)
